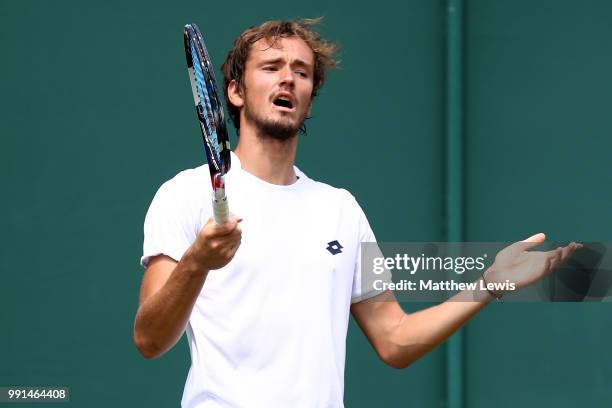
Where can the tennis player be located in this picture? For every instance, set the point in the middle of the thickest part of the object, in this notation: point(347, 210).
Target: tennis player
point(265, 297)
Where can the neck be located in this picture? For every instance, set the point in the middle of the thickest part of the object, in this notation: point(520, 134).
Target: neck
point(266, 158)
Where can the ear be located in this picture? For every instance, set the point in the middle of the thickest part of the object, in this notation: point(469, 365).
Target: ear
point(234, 94)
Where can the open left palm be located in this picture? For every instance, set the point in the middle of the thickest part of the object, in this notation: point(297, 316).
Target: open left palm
point(522, 267)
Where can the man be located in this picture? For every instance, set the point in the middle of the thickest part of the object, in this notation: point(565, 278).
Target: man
point(265, 299)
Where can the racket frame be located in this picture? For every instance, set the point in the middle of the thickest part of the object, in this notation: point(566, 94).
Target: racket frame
point(210, 117)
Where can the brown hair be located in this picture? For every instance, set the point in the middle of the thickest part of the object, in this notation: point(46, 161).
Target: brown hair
point(235, 64)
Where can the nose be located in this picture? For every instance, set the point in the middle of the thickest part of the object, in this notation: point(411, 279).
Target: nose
point(287, 76)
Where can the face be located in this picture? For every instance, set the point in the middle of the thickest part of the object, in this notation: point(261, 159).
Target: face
point(278, 83)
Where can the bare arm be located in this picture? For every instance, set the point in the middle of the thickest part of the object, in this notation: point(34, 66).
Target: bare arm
point(167, 295)
point(400, 338)
point(169, 289)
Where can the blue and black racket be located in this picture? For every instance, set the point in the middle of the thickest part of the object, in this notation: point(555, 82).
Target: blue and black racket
point(210, 115)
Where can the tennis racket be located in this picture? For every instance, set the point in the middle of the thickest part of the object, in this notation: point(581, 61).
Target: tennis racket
point(210, 116)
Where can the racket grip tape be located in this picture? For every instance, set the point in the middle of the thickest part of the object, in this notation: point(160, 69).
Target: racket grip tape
point(220, 209)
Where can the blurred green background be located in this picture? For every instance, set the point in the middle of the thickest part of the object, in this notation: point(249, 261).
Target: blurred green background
point(97, 113)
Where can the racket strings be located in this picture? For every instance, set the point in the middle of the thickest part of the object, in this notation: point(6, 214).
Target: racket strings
point(205, 101)
point(208, 104)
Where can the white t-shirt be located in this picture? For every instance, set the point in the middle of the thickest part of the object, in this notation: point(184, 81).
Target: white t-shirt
point(269, 329)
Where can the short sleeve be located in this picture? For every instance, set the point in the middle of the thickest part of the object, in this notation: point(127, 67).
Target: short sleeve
point(171, 224)
point(363, 287)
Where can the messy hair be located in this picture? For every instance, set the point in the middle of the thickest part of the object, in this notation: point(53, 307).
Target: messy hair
point(235, 64)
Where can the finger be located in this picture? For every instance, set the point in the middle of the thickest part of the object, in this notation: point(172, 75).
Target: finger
point(560, 255)
point(233, 235)
point(554, 258)
point(230, 239)
point(220, 230)
point(238, 218)
point(568, 251)
point(231, 249)
point(531, 242)
point(554, 253)
point(209, 228)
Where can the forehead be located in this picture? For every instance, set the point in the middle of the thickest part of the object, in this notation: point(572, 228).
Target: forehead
point(288, 48)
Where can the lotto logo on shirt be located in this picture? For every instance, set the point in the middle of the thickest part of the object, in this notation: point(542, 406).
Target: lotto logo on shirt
point(334, 247)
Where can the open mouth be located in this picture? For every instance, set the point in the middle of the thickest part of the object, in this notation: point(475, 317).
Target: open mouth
point(283, 102)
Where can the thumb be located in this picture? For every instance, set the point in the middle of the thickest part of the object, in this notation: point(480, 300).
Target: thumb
point(228, 226)
point(532, 241)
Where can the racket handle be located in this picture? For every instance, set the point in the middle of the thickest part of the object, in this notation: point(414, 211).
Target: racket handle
point(220, 208)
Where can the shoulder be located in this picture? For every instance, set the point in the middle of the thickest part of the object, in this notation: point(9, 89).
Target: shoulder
point(187, 182)
point(342, 206)
point(188, 177)
point(186, 190)
point(338, 195)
